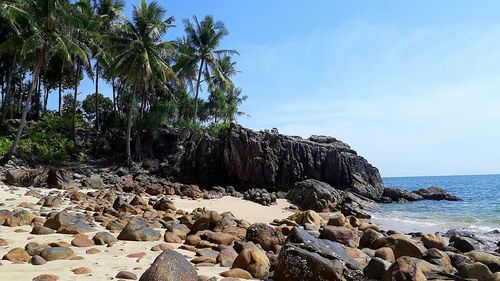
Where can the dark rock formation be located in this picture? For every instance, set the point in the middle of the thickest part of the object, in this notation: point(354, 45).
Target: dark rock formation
point(261, 196)
point(314, 195)
point(435, 193)
point(398, 195)
point(265, 159)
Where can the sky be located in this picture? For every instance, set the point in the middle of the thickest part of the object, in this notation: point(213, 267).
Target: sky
point(412, 86)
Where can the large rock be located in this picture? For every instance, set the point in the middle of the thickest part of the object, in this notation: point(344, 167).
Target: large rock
point(23, 178)
point(139, 230)
point(254, 260)
point(265, 235)
point(435, 193)
point(314, 195)
point(404, 269)
point(266, 159)
point(67, 223)
point(170, 266)
point(304, 257)
point(400, 195)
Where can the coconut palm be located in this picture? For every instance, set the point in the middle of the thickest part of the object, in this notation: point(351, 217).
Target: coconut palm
point(142, 56)
point(204, 38)
point(43, 28)
point(234, 100)
point(108, 11)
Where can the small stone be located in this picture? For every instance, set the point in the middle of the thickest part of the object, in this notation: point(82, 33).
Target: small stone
point(169, 237)
point(53, 253)
point(81, 270)
point(82, 241)
point(37, 260)
point(46, 277)
point(237, 273)
point(92, 251)
point(17, 255)
point(41, 230)
point(126, 275)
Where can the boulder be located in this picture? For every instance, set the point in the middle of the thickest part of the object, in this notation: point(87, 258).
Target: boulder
point(490, 260)
point(17, 255)
point(56, 253)
point(104, 238)
point(405, 247)
point(237, 273)
point(24, 178)
point(265, 235)
point(433, 241)
point(376, 268)
point(254, 260)
point(475, 270)
point(170, 266)
point(59, 178)
point(398, 195)
point(404, 269)
point(139, 230)
point(340, 234)
point(260, 196)
point(314, 195)
point(67, 223)
point(435, 193)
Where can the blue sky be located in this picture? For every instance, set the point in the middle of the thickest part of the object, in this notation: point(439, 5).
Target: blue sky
point(414, 87)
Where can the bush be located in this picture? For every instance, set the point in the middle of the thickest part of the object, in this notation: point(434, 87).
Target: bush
point(219, 129)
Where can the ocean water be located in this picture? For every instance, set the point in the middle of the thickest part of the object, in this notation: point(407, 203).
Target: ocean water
point(478, 212)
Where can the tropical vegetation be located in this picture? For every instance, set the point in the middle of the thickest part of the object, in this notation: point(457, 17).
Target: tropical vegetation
point(51, 46)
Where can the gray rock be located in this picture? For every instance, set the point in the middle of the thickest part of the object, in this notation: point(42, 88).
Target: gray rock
point(170, 265)
point(139, 230)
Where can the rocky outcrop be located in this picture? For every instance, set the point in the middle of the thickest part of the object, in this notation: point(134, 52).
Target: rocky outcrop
point(266, 159)
point(398, 195)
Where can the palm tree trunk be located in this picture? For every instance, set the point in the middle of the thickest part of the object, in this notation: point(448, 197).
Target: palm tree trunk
point(36, 74)
point(45, 98)
point(75, 96)
point(96, 95)
point(37, 99)
point(114, 97)
point(198, 83)
point(6, 98)
point(129, 134)
point(60, 91)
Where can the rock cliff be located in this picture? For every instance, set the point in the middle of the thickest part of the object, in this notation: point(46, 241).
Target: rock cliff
point(270, 160)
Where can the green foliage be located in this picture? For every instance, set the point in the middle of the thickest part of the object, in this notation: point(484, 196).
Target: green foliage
point(105, 107)
point(189, 127)
point(219, 129)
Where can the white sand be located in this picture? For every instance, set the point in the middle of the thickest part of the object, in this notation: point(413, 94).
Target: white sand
point(112, 260)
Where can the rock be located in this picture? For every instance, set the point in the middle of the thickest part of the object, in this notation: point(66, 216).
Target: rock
point(34, 248)
point(218, 238)
point(237, 273)
point(490, 260)
point(138, 201)
point(66, 223)
point(376, 268)
point(368, 237)
point(433, 241)
point(404, 269)
point(126, 275)
point(385, 253)
point(260, 196)
point(41, 230)
point(17, 255)
point(82, 241)
point(104, 238)
point(3, 242)
point(81, 270)
point(203, 260)
point(314, 195)
point(93, 182)
point(226, 257)
point(56, 253)
point(439, 258)
point(169, 237)
point(50, 201)
point(164, 204)
point(435, 193)
point(475, 270)
point(254, 260)
point(24, 178)
point(265, 235)
point(405, 247)
point(307, 217)
point(170, 265)
point(340, 234)
point(400, 195)
point(339, 220)
point(465, 244)
point(37, 260)
point(161, 247)
point(92, 251)
point(46, 277)
point(139, 230)
point(58, 178)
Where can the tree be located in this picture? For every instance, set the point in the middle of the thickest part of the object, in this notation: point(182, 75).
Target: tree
point(234, 100)
point(204, 38)
point(108, 11)
point(142, 56)
point(103, 103)
point(44, 27)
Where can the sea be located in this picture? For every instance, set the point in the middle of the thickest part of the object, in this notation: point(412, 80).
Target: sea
point(479, 212)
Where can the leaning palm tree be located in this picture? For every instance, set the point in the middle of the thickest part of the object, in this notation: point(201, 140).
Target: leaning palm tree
point(204, 38)
point(108, 11)
point(234, 100)
point(142, 56)
point(44, 27)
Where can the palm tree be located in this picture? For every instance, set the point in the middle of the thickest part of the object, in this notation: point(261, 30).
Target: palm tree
point(142, 56)
point(108, 12)
point(204, 38)
point(44, 27)
point(234, 100)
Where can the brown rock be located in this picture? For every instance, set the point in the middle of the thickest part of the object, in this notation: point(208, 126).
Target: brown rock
point(56, 253)
point(385, 253)
point(433, 241)
point(254, 260)
point(17, 255)
point(265, 235)
point(405, 247)
point(237, 273)
point(170, 265)
point(82, 241)
point(92, 251)
point(369, 236)
point(46, 277)
point(404, 269)
point(81, 270)
point(227, 256)
point(126, 275)
point(169, 237)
